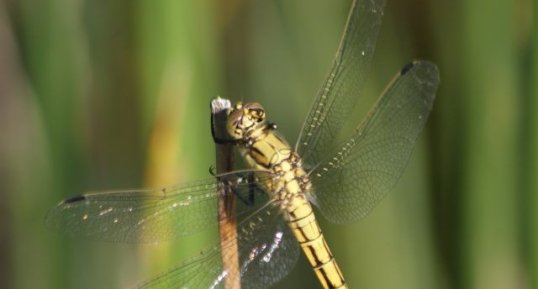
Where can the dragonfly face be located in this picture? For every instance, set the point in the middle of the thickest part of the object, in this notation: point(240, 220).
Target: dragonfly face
point(345, 180)
point(244, 119)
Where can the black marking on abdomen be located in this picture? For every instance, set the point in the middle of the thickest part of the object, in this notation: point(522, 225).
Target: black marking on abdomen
point(323, 272)
point(297, 220)
point(307, 242)
point(326, 277)
point(319, 264)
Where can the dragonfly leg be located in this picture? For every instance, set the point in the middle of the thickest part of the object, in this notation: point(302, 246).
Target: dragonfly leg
point(249, 198)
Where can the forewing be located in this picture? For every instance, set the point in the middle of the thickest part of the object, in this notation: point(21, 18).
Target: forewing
point(349, 183)
point(339, 93)
point(267, 252)
point(145, 216)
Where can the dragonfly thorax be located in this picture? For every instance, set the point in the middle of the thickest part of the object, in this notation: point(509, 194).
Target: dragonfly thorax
point(264, 149)
point(257, 140)
point(244, 120)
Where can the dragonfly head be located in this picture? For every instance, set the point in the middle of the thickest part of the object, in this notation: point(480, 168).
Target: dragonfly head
point(243, 119)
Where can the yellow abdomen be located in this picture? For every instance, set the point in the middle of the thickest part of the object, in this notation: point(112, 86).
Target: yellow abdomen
point(268, 151)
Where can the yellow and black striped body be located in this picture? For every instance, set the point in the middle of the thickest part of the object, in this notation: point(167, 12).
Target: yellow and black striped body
point(264, 149)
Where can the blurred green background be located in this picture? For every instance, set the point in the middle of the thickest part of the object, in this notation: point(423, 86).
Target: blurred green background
point(104, 94)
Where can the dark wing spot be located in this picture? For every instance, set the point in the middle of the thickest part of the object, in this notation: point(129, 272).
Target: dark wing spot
point(75, 199)
point(406, 68)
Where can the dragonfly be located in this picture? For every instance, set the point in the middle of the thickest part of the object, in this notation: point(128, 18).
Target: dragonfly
point(275, 196)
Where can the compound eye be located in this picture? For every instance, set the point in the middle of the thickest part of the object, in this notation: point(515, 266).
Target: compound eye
point(258, 114)
point(256, 111)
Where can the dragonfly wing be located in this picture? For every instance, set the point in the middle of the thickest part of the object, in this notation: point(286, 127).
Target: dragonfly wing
point(267, 252)
point(349, 183)
point(197, 272)
point(145, 216)
point(338, 94)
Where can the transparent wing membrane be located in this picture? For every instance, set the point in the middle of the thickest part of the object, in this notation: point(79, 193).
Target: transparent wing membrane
point(147, 216)
point(267, 249)
point(340, 91)
point(352, 180)
point(267, 252)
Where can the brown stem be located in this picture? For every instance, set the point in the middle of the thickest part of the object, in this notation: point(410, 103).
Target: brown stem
point(227, 202)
